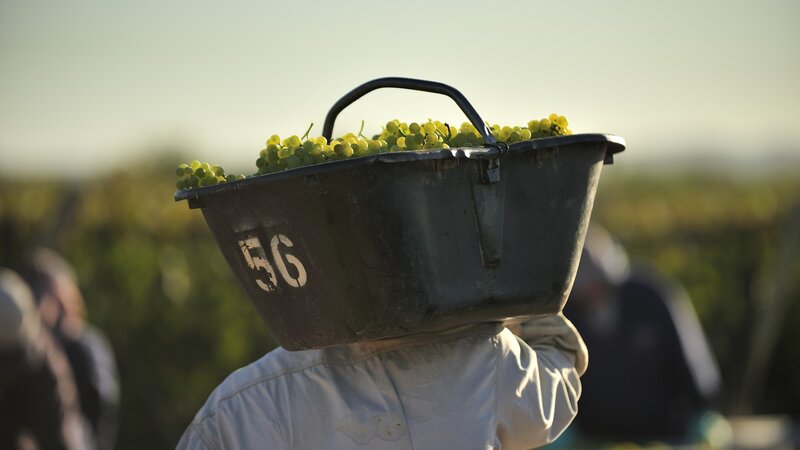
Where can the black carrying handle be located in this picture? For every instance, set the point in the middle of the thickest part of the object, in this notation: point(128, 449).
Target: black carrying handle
point(416, 85)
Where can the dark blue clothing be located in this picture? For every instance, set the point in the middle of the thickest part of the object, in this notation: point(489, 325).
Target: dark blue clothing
point(650, 373)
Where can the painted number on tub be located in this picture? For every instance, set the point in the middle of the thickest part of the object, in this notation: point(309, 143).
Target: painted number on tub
point(264, 274)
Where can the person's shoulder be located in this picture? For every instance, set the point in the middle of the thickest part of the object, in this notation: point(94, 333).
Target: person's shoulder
point(280, 363)
point(252, 380)
point(270, 367)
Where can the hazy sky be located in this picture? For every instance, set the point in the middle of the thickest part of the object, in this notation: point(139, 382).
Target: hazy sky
point(88, 84)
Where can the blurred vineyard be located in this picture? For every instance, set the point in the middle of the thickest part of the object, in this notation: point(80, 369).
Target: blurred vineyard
point(155, 282)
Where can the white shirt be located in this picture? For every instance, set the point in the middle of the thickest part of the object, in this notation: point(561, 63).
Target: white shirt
point(479, 387)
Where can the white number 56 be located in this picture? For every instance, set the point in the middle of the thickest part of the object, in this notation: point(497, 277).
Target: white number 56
point(256, 259)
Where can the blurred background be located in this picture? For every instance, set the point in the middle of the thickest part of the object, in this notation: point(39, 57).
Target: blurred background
point(99, 101)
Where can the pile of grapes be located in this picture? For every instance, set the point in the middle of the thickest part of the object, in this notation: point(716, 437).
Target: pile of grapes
point(396, 136)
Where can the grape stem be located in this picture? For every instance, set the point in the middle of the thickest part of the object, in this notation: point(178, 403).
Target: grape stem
point(309, 130)
point(361, 130)
point(449, 133)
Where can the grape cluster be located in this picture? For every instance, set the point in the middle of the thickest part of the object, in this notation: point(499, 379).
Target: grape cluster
point(293, 151)
point(197, 174)
point(554, 125)
point(396, 136)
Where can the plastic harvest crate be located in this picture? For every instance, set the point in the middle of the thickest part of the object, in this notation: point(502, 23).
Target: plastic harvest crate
point(397, 243)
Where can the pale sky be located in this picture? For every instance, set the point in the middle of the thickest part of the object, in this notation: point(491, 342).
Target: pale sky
point(86, 85)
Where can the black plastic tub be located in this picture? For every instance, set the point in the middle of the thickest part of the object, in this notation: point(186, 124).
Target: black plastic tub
point(399, 243)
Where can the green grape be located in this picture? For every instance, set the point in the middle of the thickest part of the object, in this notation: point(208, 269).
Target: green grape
point(401, 142)
point(413, 128)
point(273, 166)
point(217, 170)
point(415, 143)
point(292, 141)
point(363, 146)
point(429, 128)
point(392, 126)
point(515, 136)
point(274, 140)
point(544, 125)
point(553, 117)
point(562, 122)
point(525, 134)
point(293, 161)
point(261, 163)
point(505, 134)
point(300, 152)
point(284, 152)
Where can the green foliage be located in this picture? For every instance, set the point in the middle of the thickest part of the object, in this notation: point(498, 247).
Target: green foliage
point(156, 283)
point(718, 235)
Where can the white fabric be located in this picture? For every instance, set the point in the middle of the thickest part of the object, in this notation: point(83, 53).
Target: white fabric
point(476, 388)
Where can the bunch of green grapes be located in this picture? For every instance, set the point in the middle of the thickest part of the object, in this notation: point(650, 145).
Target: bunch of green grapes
point(296, 152)
point(197, 174)
point(434, 134)
point(554, 125)
point(401, 136)
point(396, 136)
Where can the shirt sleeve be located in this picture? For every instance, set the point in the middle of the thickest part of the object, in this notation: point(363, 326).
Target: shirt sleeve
point(539, 381)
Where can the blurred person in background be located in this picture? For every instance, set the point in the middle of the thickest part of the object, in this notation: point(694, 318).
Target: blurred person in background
point(38, 398)
point(652, 377)
point(90, 356)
